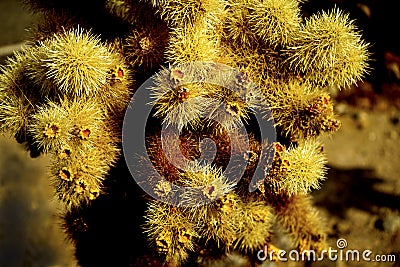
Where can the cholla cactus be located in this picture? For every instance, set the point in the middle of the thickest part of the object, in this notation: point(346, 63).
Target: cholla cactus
point(65, 94)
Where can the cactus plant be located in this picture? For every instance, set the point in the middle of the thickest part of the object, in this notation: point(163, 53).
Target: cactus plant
point(66, 94)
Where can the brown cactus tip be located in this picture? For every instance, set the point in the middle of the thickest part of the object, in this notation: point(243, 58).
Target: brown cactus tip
point(183, 94)
point(52, 130)
point(65, 152)
point(80, 186)
point(278, 147)
point(118, 73)
point(65, 174)
point(94, 193)
point(210, 192)
point(84, 133)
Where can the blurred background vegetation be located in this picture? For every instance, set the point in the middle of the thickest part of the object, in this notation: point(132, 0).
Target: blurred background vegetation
point(360, 199)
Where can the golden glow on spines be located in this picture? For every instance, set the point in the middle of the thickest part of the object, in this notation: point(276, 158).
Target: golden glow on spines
point(74, 62)
point(329, 50)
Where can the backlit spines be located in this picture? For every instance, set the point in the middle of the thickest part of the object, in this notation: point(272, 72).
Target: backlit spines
point(73, 63)
point(115, 94)
point(78, 171)
point(194, 43)
point(301, 220)
point(219, 223)
point(18, 98)
point(300, 110)
point(297, 170)
point(179, 105)
point(189, 12)
point(82, 146)
point(256, 229)
point(181, 101)
point(275, 21)
point(232, 108)
point(67, 121)
point(170, 231)
point(329, 50)
point(50, 127)
point(77, 177)
point(210, 180)
point(237, 27)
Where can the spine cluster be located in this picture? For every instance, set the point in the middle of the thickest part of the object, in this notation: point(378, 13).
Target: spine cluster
point(65, 96)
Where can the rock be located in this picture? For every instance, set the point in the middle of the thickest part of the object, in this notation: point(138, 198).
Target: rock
point(362, 120)
point(391, 223)
point(341, 108)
